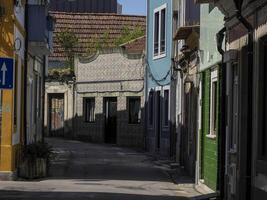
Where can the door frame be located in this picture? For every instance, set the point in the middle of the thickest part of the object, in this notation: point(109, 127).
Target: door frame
point(49, 107)
point(105, 101)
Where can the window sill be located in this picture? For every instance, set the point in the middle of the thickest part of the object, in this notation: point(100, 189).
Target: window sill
point(211, 136)
point(159, 56)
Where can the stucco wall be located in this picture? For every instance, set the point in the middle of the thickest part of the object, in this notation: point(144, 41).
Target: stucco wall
point(211, 22)
point(159, 67)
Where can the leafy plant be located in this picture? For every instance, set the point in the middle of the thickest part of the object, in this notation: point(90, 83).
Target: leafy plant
point(128, 35)
point(38, 150)
point(68, 41)
point(98, 43)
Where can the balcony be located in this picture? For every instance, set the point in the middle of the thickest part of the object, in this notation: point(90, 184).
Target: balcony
point(40, 29)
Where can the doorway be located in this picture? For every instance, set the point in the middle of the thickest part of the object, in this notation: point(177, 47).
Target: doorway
point(110, 112)
point(158, 119)
point(56, 115)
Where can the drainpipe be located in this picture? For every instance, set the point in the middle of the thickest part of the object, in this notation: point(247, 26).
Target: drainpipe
point(222, 122)
point(43, 96)
point(249, 28)
point(146, 81)
point(26, 71)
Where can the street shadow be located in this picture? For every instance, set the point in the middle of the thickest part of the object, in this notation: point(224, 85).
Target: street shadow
point(26, 195)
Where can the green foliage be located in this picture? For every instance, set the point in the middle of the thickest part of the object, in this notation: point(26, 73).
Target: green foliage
point(68, 41)
point(60, 73)
point(98, 43)
point(38, 150)
point(128, 35)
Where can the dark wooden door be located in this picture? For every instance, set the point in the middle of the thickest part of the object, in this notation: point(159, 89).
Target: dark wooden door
point(56, 110)
point(110, 109)
point(158, 119)
point(189, 130)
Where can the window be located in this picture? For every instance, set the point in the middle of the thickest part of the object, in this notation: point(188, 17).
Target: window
point(89, 109)
point(166, 107)
point(213, 103)
point(160, 32)
point(134, 110)
point(151, 108)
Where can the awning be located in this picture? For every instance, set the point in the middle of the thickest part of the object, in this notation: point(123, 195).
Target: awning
point(184, 32)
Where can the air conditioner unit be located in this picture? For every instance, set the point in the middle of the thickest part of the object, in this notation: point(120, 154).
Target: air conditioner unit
point(232, 179)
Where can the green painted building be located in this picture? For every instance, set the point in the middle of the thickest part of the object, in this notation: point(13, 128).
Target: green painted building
point(211, 22)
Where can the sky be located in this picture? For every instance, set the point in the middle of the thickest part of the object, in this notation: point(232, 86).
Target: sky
point(133, 7)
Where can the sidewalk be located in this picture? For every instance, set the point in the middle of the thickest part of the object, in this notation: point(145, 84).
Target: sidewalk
point(179, 177)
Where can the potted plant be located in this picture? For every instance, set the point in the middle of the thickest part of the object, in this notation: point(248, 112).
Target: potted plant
point(36, 160)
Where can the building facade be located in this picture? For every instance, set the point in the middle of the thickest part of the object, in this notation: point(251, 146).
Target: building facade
point(158, 76)
point(109, 103)
point(185, 81)
point(12, 20)
point(211, 21)
point(40, 39)
point(24, 99)
point(245, 23)
point(64, 108)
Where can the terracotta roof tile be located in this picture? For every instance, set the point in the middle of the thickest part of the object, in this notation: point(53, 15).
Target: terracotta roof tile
point(88, 26)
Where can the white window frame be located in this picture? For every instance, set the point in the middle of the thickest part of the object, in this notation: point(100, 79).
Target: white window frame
point(214, 78)
point(89, 121)
point(159, 9)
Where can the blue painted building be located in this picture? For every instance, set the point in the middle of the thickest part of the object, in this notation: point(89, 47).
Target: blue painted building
point(158, 76)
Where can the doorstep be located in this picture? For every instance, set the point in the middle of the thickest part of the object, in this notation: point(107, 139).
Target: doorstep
point(8, 176)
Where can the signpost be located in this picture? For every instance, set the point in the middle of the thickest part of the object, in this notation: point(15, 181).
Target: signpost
point(6, 73)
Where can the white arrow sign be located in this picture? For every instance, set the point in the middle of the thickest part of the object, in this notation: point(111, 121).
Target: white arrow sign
point(4, 70)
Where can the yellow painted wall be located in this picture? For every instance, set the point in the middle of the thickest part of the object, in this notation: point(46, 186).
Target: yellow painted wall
point(8, 152)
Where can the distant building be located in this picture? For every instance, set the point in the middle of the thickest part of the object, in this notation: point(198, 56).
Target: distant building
point(109, 99)
point(90, 29)
point(86, 6)
point(76, 103)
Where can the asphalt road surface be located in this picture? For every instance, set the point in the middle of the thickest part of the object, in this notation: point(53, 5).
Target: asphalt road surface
point(99, 172)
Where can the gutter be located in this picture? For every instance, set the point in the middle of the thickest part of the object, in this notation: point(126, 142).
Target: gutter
point(26, 71)
point(146, 76)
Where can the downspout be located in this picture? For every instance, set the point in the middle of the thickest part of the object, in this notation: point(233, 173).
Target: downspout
point(26, 70)
point(146, 79)
point(222, 122)
point(249, 28)
point(43, 96)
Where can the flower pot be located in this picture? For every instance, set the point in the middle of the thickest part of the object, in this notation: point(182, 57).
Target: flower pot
point(32, 169)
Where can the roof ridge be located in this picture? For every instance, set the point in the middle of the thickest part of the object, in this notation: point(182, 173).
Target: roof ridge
point(96, 14)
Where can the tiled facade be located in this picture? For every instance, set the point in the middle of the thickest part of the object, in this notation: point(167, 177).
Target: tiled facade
point(209, 158)
point(109, 74)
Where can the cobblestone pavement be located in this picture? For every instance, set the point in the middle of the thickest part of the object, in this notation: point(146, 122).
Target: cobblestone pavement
point(99, 172)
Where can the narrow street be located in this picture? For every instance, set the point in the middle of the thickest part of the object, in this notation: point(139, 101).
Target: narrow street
point(101, 172)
